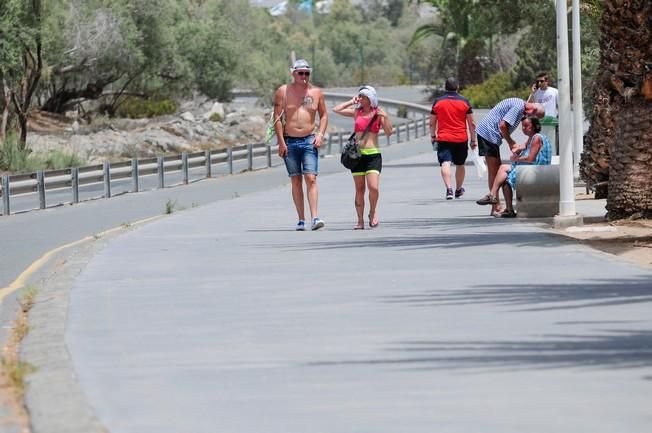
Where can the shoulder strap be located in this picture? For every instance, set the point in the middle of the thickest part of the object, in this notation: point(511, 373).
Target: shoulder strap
point(371, 122)
point(282, 107)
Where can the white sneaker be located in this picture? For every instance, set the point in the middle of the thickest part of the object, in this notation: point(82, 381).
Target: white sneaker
point(301, 226)
point(317, 223)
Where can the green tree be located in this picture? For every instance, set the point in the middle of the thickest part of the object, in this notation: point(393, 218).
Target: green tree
point(21, 64)
point(476, 23)
point(207, 44)
point(10, 55)
point(537, 49)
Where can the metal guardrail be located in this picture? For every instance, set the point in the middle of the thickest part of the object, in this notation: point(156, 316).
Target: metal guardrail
point(73, 178)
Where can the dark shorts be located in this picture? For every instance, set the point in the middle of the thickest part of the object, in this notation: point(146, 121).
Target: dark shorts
point(455, 152)
point(369, 163)
point(487, 148)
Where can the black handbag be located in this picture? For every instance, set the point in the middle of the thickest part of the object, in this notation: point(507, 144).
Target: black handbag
point(351, 150)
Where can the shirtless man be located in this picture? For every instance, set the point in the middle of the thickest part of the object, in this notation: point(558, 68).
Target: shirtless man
point(296, 104)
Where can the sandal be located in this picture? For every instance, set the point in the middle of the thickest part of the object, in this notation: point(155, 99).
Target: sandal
point(487, 199)
point(508, 214)
point(373, 222)
point(359, 227)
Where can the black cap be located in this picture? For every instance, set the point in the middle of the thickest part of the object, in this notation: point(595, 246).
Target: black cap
point(452, 84)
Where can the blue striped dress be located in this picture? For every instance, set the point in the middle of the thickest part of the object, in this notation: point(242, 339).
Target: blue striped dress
point(544, 157)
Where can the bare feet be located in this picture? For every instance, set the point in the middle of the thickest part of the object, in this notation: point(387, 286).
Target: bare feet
point(359, 226)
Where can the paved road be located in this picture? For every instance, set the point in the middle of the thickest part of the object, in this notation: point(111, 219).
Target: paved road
point(222, 318)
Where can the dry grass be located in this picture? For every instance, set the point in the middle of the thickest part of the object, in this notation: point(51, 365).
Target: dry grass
point(12, 369)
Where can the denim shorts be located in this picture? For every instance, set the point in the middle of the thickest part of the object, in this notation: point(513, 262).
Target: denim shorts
point(302, 156)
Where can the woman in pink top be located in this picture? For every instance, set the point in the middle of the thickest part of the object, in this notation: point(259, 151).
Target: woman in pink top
point(364, 109)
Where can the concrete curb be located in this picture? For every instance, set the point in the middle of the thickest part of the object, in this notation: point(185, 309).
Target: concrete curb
point(54, 399)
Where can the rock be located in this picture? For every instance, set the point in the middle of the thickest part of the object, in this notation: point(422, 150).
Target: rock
point(216, 109)
point(187, 115)
point(116, 138)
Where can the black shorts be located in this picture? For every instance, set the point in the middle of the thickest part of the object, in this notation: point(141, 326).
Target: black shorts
point(455, 152)
point(368, 164)
point(487, 148)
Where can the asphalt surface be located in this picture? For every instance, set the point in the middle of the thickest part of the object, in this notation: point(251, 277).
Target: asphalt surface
point(223, 318)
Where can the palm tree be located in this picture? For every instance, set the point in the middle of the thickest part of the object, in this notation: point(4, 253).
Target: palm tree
point(618, 146)
point(453, 27)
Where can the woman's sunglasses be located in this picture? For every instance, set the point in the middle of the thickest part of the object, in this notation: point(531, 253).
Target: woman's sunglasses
point(302, 73)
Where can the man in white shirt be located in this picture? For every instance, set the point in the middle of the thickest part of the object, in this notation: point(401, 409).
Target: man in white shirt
point(544, 94)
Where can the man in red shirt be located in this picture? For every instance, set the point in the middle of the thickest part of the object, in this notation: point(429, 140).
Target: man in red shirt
point(450, 116)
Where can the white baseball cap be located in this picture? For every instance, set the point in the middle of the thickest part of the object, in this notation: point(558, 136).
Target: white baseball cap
point(301, 65)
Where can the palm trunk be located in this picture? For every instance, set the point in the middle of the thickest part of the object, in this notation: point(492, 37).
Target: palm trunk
point(618, 146)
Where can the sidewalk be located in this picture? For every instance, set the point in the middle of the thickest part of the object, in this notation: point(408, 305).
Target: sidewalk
point(443, 319)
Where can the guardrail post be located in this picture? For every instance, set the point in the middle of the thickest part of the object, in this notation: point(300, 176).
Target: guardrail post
point(398, 134)
point(209, 166)
point(134, 175)
point(229, 159)
point(330, 143)
point(5, 195)
point(184, 167)
point(269, 156)
point(407, 130)
point(250, 156)
point(74, 184)
point(340, 140)
point(40, 182)
point(107, 179)
point(160, 162)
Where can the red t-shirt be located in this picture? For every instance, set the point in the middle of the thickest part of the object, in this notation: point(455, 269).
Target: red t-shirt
point(451, 110)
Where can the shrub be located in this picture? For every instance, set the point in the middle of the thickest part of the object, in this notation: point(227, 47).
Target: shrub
point(215, 117)
point(493, 90)
point(138, 108)
point(57, 159)
point(402, 111)
point(15, 159)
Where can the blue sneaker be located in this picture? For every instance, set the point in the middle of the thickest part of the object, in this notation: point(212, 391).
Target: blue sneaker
point(459, 192)
point(301, 226)
point(317, 223)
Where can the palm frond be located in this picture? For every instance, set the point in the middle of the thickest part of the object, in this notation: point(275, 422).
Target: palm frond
point(426, 31)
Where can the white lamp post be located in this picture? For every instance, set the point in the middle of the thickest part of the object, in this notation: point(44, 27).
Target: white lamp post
point(567, 215)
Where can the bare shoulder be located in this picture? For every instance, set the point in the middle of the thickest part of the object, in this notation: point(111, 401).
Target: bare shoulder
point(316, 92)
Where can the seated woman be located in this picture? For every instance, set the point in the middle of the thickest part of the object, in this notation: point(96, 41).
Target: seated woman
point(536, 151)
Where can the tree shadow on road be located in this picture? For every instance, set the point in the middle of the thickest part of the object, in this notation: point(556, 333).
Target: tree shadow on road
point(605, 349)
point(410, 241)
point(537, 297)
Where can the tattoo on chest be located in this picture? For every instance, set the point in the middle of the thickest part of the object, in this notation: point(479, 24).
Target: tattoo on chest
point(307, 101)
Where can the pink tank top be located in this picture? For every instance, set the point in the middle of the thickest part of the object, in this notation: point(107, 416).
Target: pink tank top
point(361, 122)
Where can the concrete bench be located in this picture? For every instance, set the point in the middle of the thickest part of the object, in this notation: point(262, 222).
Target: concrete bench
point(537, 191)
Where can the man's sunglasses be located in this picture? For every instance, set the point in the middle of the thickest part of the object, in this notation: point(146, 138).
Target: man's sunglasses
point(540, 81)
point(306, 73)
